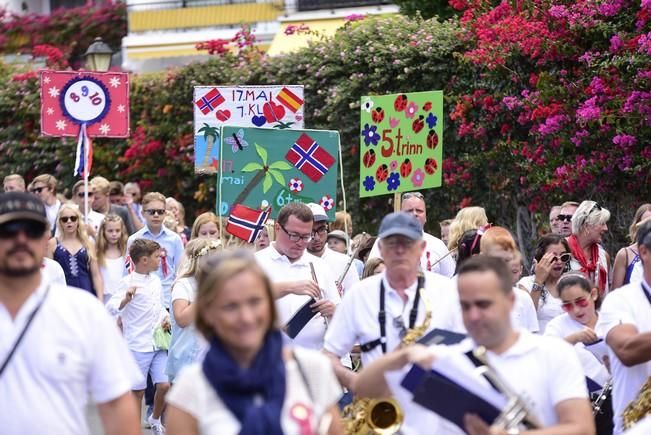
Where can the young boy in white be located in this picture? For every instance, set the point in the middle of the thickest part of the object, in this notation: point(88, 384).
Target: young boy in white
point(137, 301)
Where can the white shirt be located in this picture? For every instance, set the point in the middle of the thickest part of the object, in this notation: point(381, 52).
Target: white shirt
point(53, 272)
point(279, 268)
point(594, 277)
point(51, 212)
point(95, 219)
point(112, 273)
point(143, 313)
point(590, 357)
point(523, 315)
point(626, 305)
point(337, 262)
point(548, 308)
point(71, 349)
point(434, 250)
point(544, 371)
point(193, 394)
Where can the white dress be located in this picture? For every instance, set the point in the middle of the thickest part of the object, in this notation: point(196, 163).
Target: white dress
point(193, 394)
point(112, 272)
point(547, 309)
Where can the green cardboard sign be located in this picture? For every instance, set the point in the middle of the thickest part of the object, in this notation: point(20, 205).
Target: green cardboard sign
point(401, 143)
point(264, 167)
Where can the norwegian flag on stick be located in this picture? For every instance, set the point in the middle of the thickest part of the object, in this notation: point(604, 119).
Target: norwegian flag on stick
point(310, 158)
point(246, 223)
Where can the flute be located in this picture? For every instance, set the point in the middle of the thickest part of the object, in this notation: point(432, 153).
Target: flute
point(325, 319)
point(350, 262)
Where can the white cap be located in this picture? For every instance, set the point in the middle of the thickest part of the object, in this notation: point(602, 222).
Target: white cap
point(318, 212)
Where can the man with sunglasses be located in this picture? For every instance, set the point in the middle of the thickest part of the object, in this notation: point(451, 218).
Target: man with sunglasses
point(378, 311)
point(435, 256)
point(564, 217)
point(625, 323)
point(45, 187)
point(93, 219)
point(298, 275)
point(58, 344)
point(318, 246)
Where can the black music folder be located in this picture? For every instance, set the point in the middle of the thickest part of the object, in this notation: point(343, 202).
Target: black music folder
point(448, 399)
point(441, 336)
point(301, 318)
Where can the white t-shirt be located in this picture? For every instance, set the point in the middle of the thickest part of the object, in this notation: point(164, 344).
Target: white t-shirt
point(52, 211)
point(95, 219)
point(594, 277)
point(626, 305)
point(112, 273)
point(279, 268)
point(523, 315)
point(53, 272)
point(143, 313)
point(591, 357)
point(434, 250)
point(543, 371)
point(356, 318)
point(548, 308)
point(71, 349)
point(337, 262)
point(193, 394)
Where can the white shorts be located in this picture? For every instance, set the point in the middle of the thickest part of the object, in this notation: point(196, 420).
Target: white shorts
point(153, 363)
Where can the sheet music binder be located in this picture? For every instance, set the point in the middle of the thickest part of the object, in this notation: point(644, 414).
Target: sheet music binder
point(446, 398)
point(441, 336)
point(301, 318)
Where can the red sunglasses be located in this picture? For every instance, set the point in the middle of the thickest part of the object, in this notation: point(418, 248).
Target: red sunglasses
point(581, 302)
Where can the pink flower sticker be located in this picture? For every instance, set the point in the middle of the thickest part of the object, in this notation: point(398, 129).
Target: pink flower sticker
point(411, 109)
point(393, 165)
point(295, 185)
point(418, 178)
point(326, 202)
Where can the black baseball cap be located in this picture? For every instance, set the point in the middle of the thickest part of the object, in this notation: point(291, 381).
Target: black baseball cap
point(21, 206)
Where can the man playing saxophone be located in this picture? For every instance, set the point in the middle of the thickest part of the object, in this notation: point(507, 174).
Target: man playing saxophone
point(541, 374)
point(625, 323)
point(378, 311)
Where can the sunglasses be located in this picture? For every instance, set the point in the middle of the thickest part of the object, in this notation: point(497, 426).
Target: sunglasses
point(38, 189)
point(581, 302)
point(564, 217)
point(154, 211)
point(564, 258)
point(596, 206)
point(65, 219)
point(412, 195)
point(32, 229)
point(82, 194)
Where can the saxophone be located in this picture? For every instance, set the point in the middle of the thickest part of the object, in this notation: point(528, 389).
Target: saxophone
point(382, 416)
point(638, 408)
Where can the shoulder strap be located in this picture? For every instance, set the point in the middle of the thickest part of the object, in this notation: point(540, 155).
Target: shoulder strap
point(381, 317)
point(478, 363)
point(420, 283)
point(303, 373)
point(23, 332)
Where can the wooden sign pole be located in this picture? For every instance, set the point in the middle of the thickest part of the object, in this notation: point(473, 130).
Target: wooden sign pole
point(396, 202)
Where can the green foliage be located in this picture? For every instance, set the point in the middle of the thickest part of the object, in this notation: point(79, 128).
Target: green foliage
point(426, 8)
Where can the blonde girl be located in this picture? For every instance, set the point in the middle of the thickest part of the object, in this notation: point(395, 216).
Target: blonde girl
point(111, 253)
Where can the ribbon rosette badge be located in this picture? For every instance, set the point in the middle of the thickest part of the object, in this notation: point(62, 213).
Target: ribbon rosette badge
point(326, 202)
point(295, 185)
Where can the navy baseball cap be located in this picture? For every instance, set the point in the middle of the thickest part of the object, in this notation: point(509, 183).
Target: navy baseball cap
point(401, 224)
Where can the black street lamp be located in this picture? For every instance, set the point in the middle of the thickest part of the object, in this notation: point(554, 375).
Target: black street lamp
point(98, 56)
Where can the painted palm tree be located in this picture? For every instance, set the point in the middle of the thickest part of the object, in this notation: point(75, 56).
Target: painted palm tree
point(266, 173)
point(210, 134)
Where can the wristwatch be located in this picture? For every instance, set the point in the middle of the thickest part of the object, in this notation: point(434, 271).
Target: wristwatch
point(537, 287)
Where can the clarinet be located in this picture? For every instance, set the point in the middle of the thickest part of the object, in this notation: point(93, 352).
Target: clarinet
point(599, 401)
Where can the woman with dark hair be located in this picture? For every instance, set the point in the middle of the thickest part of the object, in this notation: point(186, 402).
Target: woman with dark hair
point(249, 382)
point(551, 259)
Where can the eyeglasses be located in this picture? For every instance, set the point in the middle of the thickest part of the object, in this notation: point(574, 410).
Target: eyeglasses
point(564, 258)
point(82, 194)
point(32, 229)
point(65, 219)
point(320, 231)
point(412, 195)
point(294, 237)
point(153, 211)
point(564, 217)
point(38, 189)
point(581, 302)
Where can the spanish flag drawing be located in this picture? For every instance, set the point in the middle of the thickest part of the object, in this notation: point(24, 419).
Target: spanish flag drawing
point(290, 100)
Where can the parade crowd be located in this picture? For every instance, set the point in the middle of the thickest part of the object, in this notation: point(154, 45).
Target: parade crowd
point(111, 297)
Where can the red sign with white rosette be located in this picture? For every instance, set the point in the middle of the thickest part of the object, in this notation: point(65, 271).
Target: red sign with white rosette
point(72, 99)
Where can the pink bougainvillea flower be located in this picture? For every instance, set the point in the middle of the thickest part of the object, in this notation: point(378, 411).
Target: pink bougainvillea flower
point(418, 177)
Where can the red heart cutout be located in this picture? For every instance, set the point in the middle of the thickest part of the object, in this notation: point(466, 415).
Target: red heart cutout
point(223, 115)
point(273, 112)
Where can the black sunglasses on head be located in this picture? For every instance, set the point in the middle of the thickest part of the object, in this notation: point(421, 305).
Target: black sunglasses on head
point(32, 229)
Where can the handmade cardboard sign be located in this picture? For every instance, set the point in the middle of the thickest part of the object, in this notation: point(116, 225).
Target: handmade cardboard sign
point(72, 101)
point(279, 107)
point(264, 168)
point(401, 142)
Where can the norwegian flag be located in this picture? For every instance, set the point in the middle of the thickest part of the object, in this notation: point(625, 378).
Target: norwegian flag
point(247, 223)
point(310, 158)
point(128, 264)
point(210, 101)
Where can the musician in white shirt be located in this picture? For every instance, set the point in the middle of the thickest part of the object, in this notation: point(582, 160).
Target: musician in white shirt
point(625, 323)
point(544, 372)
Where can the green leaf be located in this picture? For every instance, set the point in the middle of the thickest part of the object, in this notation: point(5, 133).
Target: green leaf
point(267, 183)
point(278, 176)
point(250, 167)
point(281, 165)
point(262, 153)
